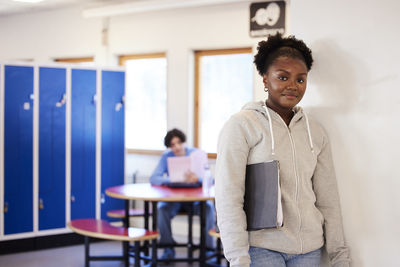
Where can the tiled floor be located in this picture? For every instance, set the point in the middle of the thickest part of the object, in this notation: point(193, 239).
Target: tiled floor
point(73, 256)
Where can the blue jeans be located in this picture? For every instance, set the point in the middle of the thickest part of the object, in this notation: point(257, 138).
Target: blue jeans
point(261, 257)
point(167, 210)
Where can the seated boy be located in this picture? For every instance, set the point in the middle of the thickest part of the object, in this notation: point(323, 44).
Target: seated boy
point(175, 141)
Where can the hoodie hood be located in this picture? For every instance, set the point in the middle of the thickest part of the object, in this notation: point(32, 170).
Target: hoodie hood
point(261, 107)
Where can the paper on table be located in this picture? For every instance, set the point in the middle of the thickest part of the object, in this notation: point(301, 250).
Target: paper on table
point(177, 166)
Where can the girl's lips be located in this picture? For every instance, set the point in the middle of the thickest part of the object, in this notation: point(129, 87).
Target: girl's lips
point(290, 96)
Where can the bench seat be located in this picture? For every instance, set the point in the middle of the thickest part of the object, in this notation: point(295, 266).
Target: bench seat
point(104, 230)
point(214, 233)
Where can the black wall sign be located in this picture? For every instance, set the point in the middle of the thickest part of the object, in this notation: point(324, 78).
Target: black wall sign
point(267, 18)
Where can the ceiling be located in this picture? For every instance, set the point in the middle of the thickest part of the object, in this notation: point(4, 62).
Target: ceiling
point(10, 7)
point(104, 8)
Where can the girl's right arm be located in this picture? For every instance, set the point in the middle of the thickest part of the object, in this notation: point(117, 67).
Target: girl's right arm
point(231, 163)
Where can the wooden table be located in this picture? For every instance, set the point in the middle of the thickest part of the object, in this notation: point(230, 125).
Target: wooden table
point(153, 194)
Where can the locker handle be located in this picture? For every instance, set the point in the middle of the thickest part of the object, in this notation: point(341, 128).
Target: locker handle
point(94, 99)
point(72, 198)
point(41, 206)
point(62, 101)
point(5, 207)
point(102, 199)
point(119, 105)
point(27, 105)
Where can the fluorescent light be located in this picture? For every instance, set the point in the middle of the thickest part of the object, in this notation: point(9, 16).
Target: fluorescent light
point(149, 5)
point(28, 1)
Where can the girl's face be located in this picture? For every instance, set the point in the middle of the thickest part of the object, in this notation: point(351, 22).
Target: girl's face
point(286, 80)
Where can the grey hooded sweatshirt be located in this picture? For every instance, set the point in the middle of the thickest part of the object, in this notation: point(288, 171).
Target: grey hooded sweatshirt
point(310, 199)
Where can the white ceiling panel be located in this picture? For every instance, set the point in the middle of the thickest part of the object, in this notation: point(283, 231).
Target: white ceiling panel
point(10, 7)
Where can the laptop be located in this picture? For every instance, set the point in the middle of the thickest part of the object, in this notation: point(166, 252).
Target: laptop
point(184, 185)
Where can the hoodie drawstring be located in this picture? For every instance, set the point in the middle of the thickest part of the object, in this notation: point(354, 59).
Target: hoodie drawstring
point(309, 133)
point(272, 133)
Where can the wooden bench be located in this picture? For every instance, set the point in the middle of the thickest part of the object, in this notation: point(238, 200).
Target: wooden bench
point(120, 214)
point(218, 251)
point(102, 229)
point(214, 233)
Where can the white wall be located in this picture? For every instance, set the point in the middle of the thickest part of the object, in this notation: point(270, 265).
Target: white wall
point(46, 35)
point(353, 87)
point(354, 92)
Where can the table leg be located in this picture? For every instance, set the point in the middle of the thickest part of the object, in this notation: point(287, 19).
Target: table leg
point(126, 219)
point(126, 253)
point(154, 228)
point(190, 237)
point(154, 256)
point(202, 233)
point(219, 251)
point(125, 245)
point(87, 244)
point(146, 226)
point(154, 217)
point(137, 254)
point(146, 214)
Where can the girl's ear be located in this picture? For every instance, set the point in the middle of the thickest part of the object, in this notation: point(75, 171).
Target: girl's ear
point(265, 80)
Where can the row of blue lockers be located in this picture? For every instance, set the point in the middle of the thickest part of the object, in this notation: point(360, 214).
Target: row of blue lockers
point(18, 179)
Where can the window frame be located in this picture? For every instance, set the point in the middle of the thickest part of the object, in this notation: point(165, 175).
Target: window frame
point(121, 61)
point(75, 60)
point(197, 101)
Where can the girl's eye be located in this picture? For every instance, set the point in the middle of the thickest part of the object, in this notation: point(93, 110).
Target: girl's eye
point(300, 80)
point(282, 78)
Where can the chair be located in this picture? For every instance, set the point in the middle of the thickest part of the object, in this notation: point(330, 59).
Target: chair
point(218, 253)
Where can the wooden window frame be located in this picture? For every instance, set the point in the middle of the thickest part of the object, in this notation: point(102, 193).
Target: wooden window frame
point(144, 152)
point(123, 58)
point(121, 61)
point(197, 100)
point(75, 60)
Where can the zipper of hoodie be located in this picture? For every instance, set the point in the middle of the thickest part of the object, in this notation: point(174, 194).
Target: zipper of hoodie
point(297, 178)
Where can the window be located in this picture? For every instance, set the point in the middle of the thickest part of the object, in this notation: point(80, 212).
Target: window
point(224, 83)
point(146, 102)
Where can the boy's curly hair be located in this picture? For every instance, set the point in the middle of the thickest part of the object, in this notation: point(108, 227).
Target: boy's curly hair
point(174, 133)
point(276, 46)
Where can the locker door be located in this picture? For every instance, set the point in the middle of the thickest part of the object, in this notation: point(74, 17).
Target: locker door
point(52, 148)
point(83, 144)
point(112, 137)
point(18, 150)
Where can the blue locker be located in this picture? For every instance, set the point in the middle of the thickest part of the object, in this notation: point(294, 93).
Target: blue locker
point(83, 144)
point(18, 150)
point(52, 97)
point(112, 137)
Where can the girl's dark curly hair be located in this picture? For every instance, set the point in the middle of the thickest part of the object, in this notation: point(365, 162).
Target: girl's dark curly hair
point(277, 46)
point(174, 133)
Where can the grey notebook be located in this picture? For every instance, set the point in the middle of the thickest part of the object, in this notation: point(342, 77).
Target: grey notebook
point(262, 200)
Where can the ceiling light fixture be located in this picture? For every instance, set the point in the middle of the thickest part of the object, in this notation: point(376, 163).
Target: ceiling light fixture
point(29, 1)
point(149, 5)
